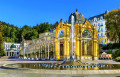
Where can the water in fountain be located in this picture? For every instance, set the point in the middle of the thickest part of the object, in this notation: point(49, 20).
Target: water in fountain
point(72, 61)
point(72, 37)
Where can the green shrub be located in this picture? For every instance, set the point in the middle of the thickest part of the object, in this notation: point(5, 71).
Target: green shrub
point(117, 58)
point(111, 46)
point(116, 53)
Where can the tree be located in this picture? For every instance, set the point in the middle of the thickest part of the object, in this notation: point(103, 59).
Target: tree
point(12, 33)
point(34, 34)
point(2, 52)
point(113, 25)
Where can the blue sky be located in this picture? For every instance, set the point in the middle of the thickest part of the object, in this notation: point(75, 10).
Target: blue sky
point(32, 12)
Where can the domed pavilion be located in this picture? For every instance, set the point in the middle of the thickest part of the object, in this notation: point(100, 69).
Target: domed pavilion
point(85, 39)
point(13, 51)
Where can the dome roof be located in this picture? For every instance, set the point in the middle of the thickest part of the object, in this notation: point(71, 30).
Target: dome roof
point(79, 18)
point(13, 46)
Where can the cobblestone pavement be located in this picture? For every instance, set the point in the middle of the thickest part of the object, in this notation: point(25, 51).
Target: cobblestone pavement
point(29, 73)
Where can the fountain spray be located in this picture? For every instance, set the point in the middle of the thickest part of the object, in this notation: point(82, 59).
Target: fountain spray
point(72, 37)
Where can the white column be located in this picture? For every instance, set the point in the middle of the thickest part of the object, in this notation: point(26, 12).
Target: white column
point(12, 53)
point(34, 52)
point(8, 53)
point(53, 50)
point(45, 51)
point(51, 47)
point(15, 54)
point(48, 51)
point(41, 51)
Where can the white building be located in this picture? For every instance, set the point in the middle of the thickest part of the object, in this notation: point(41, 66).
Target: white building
point(99, 22)
point(12, 49)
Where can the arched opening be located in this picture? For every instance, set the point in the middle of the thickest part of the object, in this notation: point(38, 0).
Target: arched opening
point(61, 40)
point(61, 34)
point(61, 49)
point(86, 43)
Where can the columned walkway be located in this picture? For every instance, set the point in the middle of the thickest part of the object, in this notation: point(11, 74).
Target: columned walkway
point(43, 49)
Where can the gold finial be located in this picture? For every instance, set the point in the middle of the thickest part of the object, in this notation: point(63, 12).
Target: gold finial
point(76, 9)
point(61, 20)
point(66, 21)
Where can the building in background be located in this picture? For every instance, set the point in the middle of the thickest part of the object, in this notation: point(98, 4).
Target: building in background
point(99, 22)
point(12, 49)
point(104, 56)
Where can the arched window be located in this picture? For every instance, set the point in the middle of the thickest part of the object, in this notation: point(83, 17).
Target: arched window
point(101, 34)
point(86, 43)
point(98, 34)
point(102, 29)
point(86, 34)
point(101, 24)
point(105, 40)
point(98, 24)
point(97, 19)
point(101, 40)
point(61, 34)
point(101, 18)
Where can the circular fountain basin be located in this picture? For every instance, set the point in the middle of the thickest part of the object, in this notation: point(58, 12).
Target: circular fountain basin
point(54, 66)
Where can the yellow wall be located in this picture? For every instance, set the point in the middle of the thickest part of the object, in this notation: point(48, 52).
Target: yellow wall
point(103, 40)
point(79, 28)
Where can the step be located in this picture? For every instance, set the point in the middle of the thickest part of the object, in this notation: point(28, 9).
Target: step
point(4, 57)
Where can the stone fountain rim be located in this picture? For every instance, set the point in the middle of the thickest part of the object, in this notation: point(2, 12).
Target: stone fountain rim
point(49, 71)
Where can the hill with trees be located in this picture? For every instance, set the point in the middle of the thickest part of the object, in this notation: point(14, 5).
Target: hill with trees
point(12, 33)
point(2, 52)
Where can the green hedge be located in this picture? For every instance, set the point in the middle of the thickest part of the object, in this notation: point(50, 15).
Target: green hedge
point(117, 58)
point(111, 46)
point(116, 53)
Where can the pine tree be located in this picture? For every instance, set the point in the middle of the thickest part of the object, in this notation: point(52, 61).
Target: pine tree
point(2, 52)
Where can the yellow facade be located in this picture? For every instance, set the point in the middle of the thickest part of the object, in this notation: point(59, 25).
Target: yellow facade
point(79, 47)
point(59, 42)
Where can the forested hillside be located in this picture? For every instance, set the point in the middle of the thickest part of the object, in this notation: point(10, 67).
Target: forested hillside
point(12, 33)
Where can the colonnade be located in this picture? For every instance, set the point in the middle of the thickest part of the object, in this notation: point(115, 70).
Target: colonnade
point(45, 49)
point(12, 54)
